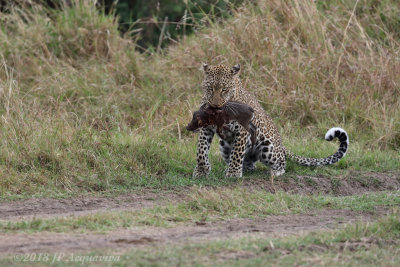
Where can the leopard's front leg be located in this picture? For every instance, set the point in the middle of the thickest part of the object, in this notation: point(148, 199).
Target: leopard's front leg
point(235, 168)
point(203, 166)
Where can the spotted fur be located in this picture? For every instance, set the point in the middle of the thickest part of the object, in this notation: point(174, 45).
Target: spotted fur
point(222, 84)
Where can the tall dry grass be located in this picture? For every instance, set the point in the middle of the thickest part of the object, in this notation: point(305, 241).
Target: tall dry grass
point(67, 78)
point(81, 110)
point(310, 63)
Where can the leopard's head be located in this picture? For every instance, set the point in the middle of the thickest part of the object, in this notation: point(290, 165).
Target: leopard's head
point(219, 84)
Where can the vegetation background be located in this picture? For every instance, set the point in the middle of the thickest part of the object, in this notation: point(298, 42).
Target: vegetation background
point(92, 102)
point(94, 98)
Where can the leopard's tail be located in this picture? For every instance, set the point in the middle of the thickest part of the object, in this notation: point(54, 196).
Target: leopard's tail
point(329, 136)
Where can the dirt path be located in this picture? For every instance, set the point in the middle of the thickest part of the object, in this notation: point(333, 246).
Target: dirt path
point(353, 183)
point(271, 226)
point(121, 239)
point(78, 206)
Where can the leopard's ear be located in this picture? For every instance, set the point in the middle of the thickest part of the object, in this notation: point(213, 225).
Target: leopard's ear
point(235, 69)
point(205, 67)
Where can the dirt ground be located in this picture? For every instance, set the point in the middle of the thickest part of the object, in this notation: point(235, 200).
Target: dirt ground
point(352, 184)
point(79, 206)
point(271, 226)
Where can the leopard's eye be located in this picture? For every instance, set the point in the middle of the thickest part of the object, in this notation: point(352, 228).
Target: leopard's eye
point(224, 89)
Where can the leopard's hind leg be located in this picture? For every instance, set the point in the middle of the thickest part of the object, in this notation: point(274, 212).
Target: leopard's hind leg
point(251, 156)
point(225, 148)
point(272, 156)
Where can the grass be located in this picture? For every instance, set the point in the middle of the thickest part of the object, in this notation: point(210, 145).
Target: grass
point(362, 243)
point(83, 112)
point(127, 162)
point(204, 204)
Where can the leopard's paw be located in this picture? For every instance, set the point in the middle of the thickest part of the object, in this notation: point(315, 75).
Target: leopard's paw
point(202, 171)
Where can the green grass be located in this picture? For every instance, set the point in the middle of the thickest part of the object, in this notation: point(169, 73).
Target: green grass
point(204, 204)
point(125, 162)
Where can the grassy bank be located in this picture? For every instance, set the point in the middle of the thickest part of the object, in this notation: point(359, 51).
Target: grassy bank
point(82, 111)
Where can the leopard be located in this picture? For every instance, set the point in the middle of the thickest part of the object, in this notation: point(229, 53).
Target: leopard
point(222, 84)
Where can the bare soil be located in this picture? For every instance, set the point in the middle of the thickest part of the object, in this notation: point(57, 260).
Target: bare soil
point(120, 240)
point(271, 226)
point(78, 206)
point(353, 183)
